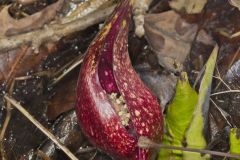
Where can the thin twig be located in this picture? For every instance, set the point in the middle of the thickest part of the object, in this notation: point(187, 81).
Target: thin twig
point(144, 142)
point(94, 155)
point(63, 68)
point(66, 71)
point(224, 83)
point(219, 77)
point(199, 76)
point(85, 8)
point(6, 121)
point(3, 131)
point(9, 108)
point(54, 32)
point(41, 127)
point(224, 92)
point(235, 35)
point(223, 113)
point(38, 74)
point(228, 35)
point(85, 150)
point(229, 65)
point(221, 80)
point(14, 68)
point(234, 57)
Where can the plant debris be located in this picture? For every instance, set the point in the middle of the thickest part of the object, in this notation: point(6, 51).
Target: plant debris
point(170, 38)
point(189, 6)
point(165, 38)
point(11, 26)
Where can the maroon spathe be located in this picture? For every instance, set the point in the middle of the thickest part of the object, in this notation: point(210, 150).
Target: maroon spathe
point(107, 69)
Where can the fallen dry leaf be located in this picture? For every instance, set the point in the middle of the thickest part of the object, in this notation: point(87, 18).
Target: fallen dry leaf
point(170, 37)
point(11, 26)
point(233, 75)
point(228, 61)
point(190, 6)
point(64, 98)
point(66, 129)
point(163, 86)
point(84, 8)
point(18, 62)
point(235, 3)
point(14, 65)
point(204, 38)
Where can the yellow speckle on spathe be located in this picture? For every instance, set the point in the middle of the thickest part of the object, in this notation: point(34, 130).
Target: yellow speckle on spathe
point(137, 113)
point(125, 85)
point(106, 73)
point(132, 95)
point(115, 17)
point(105, 31)
point(124, 23)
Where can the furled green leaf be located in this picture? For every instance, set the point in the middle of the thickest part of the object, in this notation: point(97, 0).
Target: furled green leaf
point(235, 141)
point(194, 135)
point(178, 117)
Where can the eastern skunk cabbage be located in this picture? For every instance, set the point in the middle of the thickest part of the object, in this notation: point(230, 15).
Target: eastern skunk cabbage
point(114, 107)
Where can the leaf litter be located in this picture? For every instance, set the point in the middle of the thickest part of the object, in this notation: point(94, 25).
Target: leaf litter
point(36, 94)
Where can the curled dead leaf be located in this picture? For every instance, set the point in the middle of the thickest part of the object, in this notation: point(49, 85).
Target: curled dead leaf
point(170, 37)
point(190, 6)
point(235, 3)
point(18, 62)
point(11, 26)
